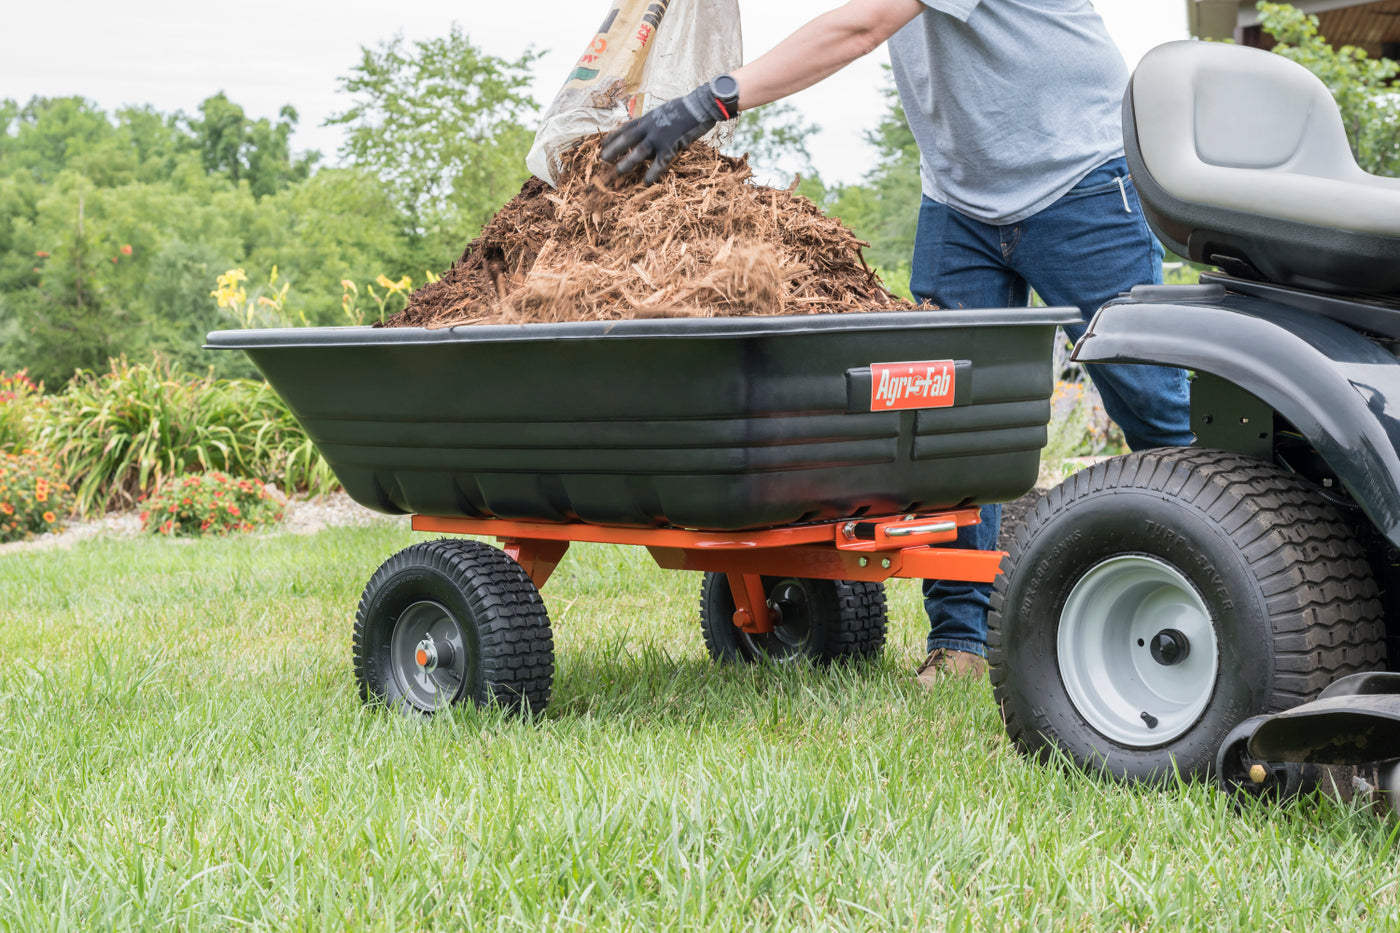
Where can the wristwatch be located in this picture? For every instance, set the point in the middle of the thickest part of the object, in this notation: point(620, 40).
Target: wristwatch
point(726, 91)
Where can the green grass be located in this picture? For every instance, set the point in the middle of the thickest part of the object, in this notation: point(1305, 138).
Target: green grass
point(182, 747)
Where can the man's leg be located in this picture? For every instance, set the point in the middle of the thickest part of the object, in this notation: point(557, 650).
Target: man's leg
point(1089, 246)
point(958, 264)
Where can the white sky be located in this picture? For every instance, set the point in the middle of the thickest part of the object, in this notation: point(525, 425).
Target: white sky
point(174, 53)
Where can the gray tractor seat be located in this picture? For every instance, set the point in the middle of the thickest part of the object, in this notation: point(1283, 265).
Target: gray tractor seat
point(1241, 161)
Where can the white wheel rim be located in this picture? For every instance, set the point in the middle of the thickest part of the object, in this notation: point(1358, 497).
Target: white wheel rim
point(1106, 659)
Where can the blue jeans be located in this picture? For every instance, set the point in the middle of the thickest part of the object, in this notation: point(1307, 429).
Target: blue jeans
point(1082, 250)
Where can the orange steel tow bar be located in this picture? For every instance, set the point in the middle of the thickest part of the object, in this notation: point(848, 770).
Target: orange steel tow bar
point(866, 549)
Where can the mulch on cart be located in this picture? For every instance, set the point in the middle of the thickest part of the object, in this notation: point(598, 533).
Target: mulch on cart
point(703, 242)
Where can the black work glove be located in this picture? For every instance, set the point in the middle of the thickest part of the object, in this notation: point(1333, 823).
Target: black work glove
point(661, 133)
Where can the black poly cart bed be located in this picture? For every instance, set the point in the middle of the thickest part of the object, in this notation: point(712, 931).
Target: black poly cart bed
point(712, 423)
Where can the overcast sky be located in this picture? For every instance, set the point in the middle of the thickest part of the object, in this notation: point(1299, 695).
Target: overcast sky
point(263, 54)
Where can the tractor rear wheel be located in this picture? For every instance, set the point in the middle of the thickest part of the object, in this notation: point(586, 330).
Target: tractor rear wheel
point(1151, 603)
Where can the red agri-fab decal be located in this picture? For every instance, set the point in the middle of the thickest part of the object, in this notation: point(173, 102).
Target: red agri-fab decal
point(927, 384)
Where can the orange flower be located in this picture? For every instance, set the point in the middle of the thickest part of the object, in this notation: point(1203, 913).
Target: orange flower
point(49, 517)
point(42, 495)
point(7, 508)
point(126, 250)
point(42, 255)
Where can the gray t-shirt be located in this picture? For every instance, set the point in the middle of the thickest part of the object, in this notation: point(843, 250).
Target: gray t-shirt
point(1012, 102)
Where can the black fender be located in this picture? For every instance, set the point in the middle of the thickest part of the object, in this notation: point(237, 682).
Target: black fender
point(1338, 388)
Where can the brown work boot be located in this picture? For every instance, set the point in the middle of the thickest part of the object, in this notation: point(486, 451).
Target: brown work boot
point(943, 662)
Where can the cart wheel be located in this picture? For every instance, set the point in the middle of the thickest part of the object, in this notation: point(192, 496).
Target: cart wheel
point(1151, 603)
point(823, 620)
point(453, 621)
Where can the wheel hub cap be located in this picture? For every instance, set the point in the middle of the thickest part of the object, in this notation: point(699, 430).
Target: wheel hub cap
point(1137, 650)
point(1170, 647)
point(430, 654)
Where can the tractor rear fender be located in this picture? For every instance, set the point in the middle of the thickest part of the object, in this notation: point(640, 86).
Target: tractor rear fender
point(1338, 388)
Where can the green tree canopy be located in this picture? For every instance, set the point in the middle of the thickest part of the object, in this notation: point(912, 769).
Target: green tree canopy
point(114, 227)
point(445, 125)
point(884, 208)
point(775, 138)
point(257, 150)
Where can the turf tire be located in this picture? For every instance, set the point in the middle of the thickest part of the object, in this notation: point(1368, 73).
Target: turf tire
point(829, 620)
point(504, 629)
point(1289, 593)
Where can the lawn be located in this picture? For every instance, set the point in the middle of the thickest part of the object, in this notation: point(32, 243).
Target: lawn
point(183, 748)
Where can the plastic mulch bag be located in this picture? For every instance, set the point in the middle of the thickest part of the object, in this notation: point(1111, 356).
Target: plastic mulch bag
point(646, 52)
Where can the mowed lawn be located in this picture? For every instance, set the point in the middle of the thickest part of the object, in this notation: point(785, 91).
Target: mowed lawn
point(183, 748)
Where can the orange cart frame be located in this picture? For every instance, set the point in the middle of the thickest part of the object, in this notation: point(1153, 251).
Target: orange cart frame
point(865, 549)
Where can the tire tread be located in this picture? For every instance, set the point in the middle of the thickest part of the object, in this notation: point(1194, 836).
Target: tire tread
point(1319, 591)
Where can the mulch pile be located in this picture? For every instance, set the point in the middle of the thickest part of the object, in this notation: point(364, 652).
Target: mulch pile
point(703, 242)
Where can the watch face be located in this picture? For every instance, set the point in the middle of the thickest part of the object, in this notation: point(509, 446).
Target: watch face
point(725, 87)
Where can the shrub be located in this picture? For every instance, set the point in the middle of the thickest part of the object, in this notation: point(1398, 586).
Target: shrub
point(120, 434)
point(21, 403)
point(32, 495)
point(1079, 426)
point(208, 504)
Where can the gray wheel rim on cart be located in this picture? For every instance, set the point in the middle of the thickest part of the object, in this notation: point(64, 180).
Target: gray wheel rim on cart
point(1137, 650)
point(428, 655)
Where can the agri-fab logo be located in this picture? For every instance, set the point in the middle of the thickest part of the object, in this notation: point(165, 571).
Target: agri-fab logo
point(926, 384)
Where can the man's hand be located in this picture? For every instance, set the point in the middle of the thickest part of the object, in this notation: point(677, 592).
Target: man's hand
point(661, 133)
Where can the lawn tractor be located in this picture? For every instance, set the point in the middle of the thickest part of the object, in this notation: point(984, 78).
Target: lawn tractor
point(1227, 607)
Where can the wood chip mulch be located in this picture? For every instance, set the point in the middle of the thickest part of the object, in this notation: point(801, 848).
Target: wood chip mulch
point(703, 242)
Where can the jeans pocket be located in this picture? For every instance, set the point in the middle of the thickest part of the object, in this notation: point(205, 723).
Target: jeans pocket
point(1096, 189)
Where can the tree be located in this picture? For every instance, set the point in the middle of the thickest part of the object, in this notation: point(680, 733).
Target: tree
point(257, 151)
point(884, 208)
point(775, 138)
point(445, 125)
point(69, 320)
point(113, 231)
point(1361, 85)
point(44, 135)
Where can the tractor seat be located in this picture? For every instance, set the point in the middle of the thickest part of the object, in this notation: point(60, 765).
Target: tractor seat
point(1241, 161)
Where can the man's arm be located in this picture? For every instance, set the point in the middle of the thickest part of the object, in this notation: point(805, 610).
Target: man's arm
point(819, 49)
